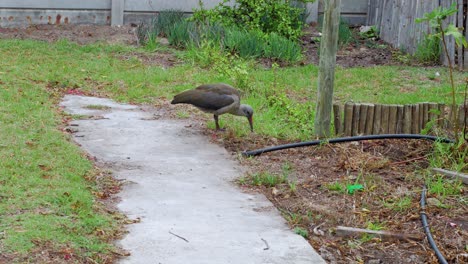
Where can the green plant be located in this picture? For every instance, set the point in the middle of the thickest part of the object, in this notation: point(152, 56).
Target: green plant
point(180, 34)
point(428, 50)
point(265, 15)
point(292, 186)
point(345, 35)
point(370, 33)
point(282, 48)
point(301, 231)
point(371, 226)
point(435, 20)
point(165, 20)
point(442, 187)
point(267, 179)
point(398, 204)
point(336, 187)
point(444, 156)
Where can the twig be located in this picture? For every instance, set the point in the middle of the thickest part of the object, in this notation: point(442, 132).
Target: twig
point(266, 243)
point(405, 161)
point(179, 236)
point(350, 231)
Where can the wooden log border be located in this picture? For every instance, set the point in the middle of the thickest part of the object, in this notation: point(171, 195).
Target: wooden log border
point(354, 119)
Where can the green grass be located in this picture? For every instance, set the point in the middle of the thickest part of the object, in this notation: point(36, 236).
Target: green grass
point(44, 197)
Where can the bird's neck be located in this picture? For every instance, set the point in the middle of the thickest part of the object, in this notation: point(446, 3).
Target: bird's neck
point(238, 111)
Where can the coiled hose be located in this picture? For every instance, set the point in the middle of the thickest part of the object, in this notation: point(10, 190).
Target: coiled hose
point(345, 139)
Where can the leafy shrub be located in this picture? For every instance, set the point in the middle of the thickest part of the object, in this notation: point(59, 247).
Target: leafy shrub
point(265, 15)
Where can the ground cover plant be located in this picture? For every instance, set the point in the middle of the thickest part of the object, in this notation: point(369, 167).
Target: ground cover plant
point(308, 185)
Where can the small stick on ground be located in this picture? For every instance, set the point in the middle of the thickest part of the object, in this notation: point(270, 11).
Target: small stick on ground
point(351, 231)
point(179, 236)
point(266, 243)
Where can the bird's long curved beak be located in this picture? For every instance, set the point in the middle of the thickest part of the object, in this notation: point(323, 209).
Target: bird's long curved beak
point(250, 122)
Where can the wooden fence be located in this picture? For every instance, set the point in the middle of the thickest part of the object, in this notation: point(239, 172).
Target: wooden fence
point(354, 119)
point(395, 19)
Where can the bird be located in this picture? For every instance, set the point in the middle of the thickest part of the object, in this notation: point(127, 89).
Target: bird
point(217, 99)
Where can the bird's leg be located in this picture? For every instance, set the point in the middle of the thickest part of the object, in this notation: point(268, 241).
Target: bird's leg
point(217, 123)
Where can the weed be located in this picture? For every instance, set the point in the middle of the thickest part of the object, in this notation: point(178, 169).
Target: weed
point(336, 187)
point(179, 34)
point(267, 179)
point(372, 226)
point(442, 187)
point(428, 50)
point(293, 218)
point(345, 35)
point(399, 204)
point(282, 48)
point(302, 232)
point(292, 186)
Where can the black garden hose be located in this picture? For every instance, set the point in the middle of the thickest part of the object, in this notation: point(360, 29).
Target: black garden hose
point(344, 139)
point(430, 239)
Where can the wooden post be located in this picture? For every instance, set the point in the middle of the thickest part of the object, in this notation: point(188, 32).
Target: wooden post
point(415, 128)
point(441, 117)
point(392, 119)
point(421, 117)
point(407, 119)
point(117, 12)
point(425, 115)
point(462, 116)
point(369, 120)
point(399, 123)
point(348, 119)
point(377, 119)
point(337, 120)
point(384, 119)
point(326, 75)
point(362, 119)
point(356, 116)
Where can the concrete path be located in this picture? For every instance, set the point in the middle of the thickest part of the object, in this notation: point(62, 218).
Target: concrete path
point(181, 188)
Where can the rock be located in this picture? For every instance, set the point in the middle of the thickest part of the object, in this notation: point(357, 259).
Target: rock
point(163, 41)
point(434, 202)
point(374, 261)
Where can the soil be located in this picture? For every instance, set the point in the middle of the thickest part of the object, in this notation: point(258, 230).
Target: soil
point(318, 200)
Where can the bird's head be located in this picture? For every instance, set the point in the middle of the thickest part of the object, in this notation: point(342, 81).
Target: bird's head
point(247, 110)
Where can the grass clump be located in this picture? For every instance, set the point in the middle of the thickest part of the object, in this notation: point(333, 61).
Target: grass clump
point(428, 51)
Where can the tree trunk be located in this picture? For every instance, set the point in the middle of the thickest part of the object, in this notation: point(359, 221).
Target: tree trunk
point(326, 76)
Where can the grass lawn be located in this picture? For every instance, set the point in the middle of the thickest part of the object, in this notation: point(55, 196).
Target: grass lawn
point(46, 183)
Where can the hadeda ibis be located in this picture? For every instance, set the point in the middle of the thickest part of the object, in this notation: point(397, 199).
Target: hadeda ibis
point(217, 99)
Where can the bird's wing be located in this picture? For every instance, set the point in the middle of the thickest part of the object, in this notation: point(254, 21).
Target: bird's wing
point(219, 88)
point(206, 99)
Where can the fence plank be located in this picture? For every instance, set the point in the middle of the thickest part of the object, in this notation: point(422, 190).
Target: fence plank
point(377, 119)
point(355, 122)
point(363, 119)
point(384, 119)
point(407, 119)
point(337, 119)
point(370, 119)
point(415, 128)
point(392, 119)
point(399, 123)
point(348, 118)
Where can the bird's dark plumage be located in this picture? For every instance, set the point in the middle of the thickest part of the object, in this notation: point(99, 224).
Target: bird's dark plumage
point(217, 99)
